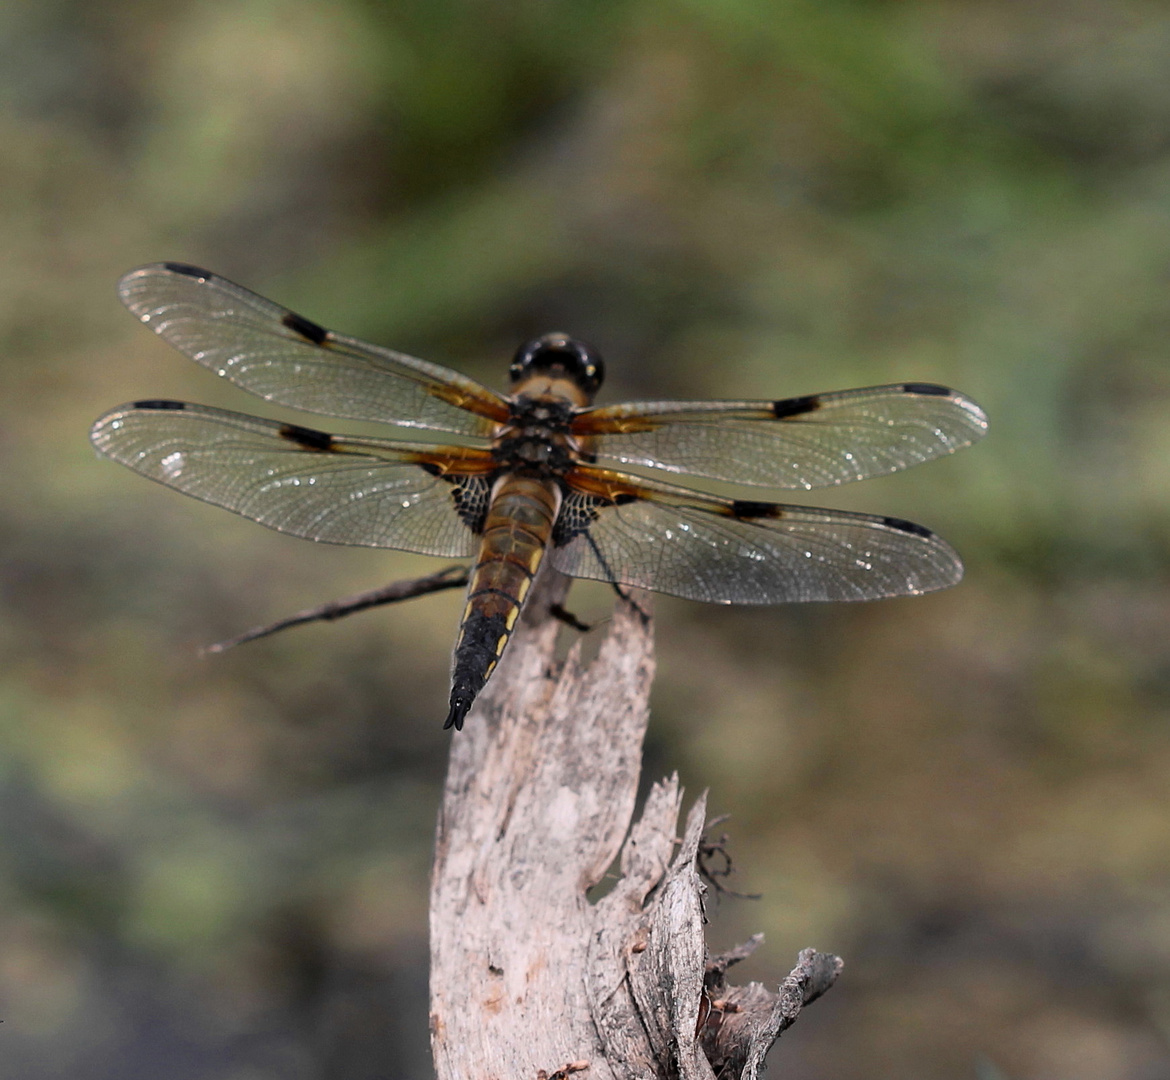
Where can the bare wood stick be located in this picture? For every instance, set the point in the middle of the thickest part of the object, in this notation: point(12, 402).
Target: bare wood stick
point(530, 979)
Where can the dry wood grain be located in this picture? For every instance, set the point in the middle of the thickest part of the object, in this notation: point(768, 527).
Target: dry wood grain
point(529, 977)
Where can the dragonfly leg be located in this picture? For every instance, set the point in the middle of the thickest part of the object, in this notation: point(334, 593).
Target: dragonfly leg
point(452, 577)
point(627, 598)
point(569, 619)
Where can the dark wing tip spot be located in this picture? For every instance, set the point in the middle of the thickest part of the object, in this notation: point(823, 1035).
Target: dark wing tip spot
point(309, 438)
point(795, 406)
point(308, 329)
point(930, 389)
point(624, 498)
point(160, 404)
point(902, 525)
point(748, 508)
point(187, 270)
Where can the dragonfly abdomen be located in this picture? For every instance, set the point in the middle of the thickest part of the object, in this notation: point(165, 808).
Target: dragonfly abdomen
point(516, 532)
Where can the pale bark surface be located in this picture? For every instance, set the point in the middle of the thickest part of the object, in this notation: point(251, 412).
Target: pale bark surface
point(529, 979)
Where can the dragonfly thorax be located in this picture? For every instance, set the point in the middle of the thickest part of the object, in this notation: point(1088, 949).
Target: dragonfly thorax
point(536, 438)
point(534, 452)
point(540, 416)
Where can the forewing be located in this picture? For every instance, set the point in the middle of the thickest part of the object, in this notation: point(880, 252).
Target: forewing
point(370, 492)
point(286, 358)
point(805, 442)
point(732, 551)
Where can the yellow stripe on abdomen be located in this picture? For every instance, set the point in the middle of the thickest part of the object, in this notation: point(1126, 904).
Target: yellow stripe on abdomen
point(516, 533)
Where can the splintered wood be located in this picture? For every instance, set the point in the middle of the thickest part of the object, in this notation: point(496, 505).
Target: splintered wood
point(531, 979)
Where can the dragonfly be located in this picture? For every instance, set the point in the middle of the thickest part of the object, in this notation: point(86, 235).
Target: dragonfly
point(540, 475)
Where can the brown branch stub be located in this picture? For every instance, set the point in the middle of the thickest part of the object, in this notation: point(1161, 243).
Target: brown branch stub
point(564, 1072)
point(526, 973)
point(717, 965)
point(744, 1021)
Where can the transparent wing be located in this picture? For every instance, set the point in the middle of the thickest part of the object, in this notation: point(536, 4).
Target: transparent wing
point(804, 442)
point(370, 492)
point(286, 358)
point(731, 551)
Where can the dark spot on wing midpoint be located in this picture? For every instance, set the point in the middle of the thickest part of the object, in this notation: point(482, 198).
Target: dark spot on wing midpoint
point(926, 388)
point(309, 438)
point(795, 406)
point(308, 329)
point(902, 525)
point(187, 270)
point(747, 508)
point(159, 404)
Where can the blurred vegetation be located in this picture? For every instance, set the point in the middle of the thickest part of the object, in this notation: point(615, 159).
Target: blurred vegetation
point(218, 868)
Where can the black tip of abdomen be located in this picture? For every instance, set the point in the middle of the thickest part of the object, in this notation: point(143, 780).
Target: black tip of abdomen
point(461, 702)
point(481, 643)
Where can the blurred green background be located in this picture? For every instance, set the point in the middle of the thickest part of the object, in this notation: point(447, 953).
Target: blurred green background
point(218, 868)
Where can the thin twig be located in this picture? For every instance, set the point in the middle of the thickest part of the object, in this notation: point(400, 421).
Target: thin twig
point(713, 874)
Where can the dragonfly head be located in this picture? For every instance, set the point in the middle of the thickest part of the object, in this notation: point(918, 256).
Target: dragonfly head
point(559, 356)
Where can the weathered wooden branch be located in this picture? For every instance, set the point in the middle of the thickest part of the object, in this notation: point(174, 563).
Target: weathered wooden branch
point(530, 979)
